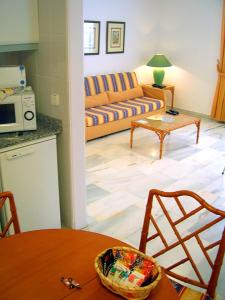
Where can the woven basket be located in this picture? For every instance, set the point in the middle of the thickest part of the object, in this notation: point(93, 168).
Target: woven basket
point(127, 292)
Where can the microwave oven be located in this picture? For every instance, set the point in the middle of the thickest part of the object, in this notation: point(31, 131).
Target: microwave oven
point(17, 112)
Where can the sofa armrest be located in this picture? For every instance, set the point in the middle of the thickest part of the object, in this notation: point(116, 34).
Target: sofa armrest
point(152, 92)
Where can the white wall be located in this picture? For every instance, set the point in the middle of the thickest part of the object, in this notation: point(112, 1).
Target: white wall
point(140, 34)
point(10, 58)
point(189, 34)
point(76, 114)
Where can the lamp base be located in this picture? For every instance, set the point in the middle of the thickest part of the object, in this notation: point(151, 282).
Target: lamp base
point(158, 86)
point(158, 75)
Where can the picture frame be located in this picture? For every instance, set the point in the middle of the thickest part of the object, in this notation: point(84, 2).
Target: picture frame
point(115, 37)
point(91, 37)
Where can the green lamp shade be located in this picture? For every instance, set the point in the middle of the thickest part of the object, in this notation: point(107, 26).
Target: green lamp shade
point(159, 61)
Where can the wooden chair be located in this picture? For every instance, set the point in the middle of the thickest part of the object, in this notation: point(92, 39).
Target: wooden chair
point(14, 219)
point(177, 199)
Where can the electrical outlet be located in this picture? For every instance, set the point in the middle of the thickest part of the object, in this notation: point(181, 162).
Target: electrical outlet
point(55, 99)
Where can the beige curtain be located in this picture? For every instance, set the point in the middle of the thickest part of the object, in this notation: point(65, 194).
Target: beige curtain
point(218, 107)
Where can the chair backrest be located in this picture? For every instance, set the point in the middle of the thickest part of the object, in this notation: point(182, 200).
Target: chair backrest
point(206, 217)
point(13, 220)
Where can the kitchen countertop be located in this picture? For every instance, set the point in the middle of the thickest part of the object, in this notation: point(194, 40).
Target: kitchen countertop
point(46, 126)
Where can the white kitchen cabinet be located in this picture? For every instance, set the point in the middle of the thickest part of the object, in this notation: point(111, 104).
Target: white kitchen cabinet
point(18, 22)
point(29, 171)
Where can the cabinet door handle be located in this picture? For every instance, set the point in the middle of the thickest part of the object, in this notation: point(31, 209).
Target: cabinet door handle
point(19, 153)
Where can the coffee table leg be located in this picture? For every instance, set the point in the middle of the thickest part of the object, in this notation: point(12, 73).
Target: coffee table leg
point(161, 136)
point(198, 130)
point(131, 135)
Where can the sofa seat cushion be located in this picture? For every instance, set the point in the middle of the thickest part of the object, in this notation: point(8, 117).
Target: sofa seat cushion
point(185, 293)
point(120, 110)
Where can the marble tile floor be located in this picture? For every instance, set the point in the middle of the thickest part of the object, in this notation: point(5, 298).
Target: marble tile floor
point(119, 178)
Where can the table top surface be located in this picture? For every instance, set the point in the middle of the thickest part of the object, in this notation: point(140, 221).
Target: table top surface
point(166, 87)
point(165, 122)
point(32, 264)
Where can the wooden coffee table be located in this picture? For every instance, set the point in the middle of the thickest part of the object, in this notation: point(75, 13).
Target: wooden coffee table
point(162, 126)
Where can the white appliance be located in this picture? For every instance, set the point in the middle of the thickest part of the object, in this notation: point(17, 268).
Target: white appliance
point(12, 76)
point(17, 112)
point(30, 172)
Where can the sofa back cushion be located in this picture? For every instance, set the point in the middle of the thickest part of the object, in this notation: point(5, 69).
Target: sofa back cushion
point(125, 95)
point(96, 100)
point(117, 82)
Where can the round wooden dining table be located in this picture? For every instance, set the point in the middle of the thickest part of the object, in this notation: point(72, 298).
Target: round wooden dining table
point(32, 264)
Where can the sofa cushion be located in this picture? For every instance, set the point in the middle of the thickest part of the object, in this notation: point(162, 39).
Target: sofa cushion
point(96, 100)
point(112, 82)
point(185, 293)
point(125, 95)
point(120, 110)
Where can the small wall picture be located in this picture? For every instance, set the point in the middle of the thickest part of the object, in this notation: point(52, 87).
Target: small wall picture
point(115, 37)
point(91, 37)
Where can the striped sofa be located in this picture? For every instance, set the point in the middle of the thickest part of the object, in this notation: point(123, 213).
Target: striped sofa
point(112, 101)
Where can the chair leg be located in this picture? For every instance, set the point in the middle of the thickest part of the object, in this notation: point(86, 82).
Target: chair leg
point(223, 171)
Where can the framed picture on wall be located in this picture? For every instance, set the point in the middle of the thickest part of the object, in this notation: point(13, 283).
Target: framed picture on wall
point(115, 37)
point(91, 37)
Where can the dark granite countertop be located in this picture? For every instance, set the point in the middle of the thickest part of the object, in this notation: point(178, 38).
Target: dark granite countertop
point(46, 126)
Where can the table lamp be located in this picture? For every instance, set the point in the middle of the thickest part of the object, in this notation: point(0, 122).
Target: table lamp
point(159, 61)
